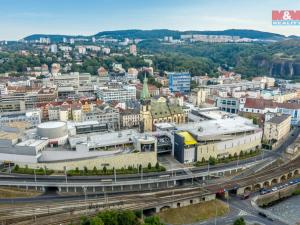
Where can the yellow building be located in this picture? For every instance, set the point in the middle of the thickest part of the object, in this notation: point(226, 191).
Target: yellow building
point(158, 111)
point(285, 97)
point(277, 128)
point(86, 107)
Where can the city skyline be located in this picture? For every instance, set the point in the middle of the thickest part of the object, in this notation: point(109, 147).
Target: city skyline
point(23, 18)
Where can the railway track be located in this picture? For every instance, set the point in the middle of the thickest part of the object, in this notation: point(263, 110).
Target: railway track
point(33, 213)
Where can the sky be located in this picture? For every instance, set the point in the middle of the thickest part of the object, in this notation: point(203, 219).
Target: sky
point(20, 18)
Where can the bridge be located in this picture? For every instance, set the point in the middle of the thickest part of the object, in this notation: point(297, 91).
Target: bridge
point(262, 179)
point(119, 185)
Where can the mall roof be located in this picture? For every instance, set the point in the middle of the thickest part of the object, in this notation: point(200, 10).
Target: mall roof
point(188, 138)
point(227, 125)
point(104, 139)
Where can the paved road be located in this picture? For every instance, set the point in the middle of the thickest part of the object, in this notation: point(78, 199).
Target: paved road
point(241, 208)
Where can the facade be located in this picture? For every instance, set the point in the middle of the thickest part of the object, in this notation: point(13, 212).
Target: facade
point(105, 115)
point(277, 127)
point(53, 113)
point(198, 96)
point(230, 105)
point(179, 82)
point(130, 118)
point(292, 109)
point(31, 116)
point(119, 94)
point(12, 106)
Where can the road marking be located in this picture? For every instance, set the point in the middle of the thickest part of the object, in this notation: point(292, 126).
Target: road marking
point(243, 213)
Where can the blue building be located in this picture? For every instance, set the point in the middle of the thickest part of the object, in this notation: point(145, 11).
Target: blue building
point(179, 82)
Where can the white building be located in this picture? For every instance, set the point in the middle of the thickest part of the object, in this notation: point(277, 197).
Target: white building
point(120, 94)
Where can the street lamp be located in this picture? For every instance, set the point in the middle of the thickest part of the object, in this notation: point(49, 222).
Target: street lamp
point(115, 175)
point(34, 175)
point(66, 174)
point(84, 190)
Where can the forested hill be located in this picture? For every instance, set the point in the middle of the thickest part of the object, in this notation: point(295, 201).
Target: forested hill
point(161, 33)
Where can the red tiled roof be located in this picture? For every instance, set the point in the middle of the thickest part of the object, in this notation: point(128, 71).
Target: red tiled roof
point(257, 103)
point(288, 105)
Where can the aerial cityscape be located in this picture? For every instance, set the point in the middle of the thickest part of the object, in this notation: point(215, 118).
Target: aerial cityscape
point(149, 112)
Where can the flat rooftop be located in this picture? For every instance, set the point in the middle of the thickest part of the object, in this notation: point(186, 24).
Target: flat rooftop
point(219, 126)
point(104, 139)
point(32, 142)
point(8, 135)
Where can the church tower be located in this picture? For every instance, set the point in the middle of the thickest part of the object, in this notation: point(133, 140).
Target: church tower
point(145, 114)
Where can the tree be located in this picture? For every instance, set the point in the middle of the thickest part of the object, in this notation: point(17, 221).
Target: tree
point(212, 160)
point(241, 153)
point(84, 221)
point(109, 217)
point(153, 220)
point(149, 166)
point(17, 167)
point(203, 160)
point(85, 169)
point(157, 165)
point(239, 221)
point(95, 171)
point(104, 169)
point(96, 221)
point(127, 218)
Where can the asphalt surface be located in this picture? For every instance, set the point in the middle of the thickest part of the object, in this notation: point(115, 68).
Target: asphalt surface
point(242, 208)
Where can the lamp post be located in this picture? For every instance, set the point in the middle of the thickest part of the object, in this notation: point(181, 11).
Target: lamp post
point(34, 175)
point(66, 175)
point(115, 175)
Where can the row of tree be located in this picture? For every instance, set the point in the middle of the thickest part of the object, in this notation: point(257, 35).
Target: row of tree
point(120, 217)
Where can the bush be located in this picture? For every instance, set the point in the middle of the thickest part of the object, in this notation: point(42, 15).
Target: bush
point(157, 165)
point(153, 220)
point(16, 167)
point(85, 169)
point(212, 161)
point(241, 153)
point(239, 221)
point(95, 171)
point(104, 169)
point(149, 166)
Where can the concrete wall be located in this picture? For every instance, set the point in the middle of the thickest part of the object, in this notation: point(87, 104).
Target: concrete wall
point(267, 199)
point(117, 161)
point(224, 148)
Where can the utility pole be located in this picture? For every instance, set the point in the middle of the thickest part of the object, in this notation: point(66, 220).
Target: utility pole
point(66, 175)
point(34, 175)
point(208, 170)
point(84, 190)
point(141, 173)
point(216, 214)
point(115, 175)
point(237, 163)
